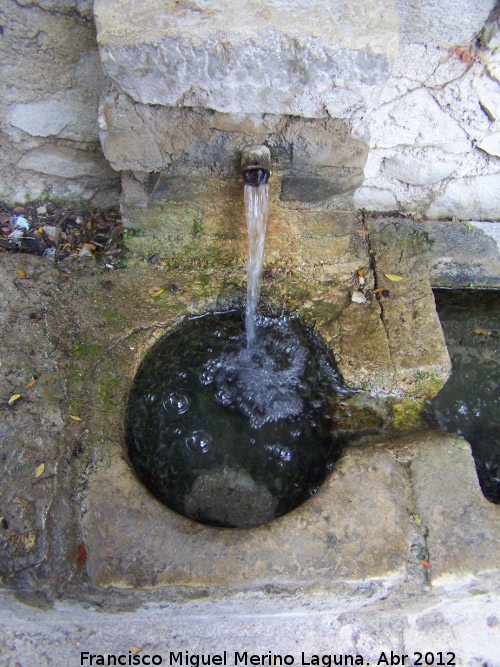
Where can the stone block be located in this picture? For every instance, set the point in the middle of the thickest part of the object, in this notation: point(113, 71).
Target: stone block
point(463, 527)
point(67, 114)
point(183, 140)
point(320, 185)
point(420, 167)
point(260, 59)
point(401, 255)
point(443, 24)
point(463, 254)
point(50, 62)
point(416, 119)
point(354, 528)
point(375, 199)
point(83, 7)
point(469, 198)
point(66, 162)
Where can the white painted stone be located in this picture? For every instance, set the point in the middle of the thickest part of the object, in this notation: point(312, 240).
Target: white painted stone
point(375, 199)
point(65, 162)
point(427, 168)
point(461, 102)
point(374, 162)
point(491, 144)
point(469, 198)
point(488, 91)
point(298, 58)
point(417, 120)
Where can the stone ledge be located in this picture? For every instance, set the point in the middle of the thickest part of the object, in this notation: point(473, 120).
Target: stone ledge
point(260, 59)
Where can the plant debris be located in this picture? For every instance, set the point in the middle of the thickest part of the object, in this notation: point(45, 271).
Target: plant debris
point(60, 234)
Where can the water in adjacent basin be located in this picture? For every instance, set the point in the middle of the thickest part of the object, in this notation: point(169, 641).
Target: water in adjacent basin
point(469, 403)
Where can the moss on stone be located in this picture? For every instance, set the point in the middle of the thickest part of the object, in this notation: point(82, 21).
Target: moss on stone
point(406, 415)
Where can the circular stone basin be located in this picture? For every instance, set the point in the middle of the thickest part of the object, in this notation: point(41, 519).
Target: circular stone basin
point(228, 436)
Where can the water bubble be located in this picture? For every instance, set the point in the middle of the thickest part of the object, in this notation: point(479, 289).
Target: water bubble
point(177, 402)
point(199, 442)
point(206, 378)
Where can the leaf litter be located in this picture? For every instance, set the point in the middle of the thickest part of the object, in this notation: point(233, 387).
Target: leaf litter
point(58, 234)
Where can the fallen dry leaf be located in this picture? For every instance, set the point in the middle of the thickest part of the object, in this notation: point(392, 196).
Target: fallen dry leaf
point(157, 293)
point(361, 231)
point(30, 383)
point(39, 470)
point(377, 291)
point(14, 398)
point(360, 272)
point(75, 418)
point(426, 564)
point(135, 649)
point(393, 276)
point(81, 554)
point(21, 273)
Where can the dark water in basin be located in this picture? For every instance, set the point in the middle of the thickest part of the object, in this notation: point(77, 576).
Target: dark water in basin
point(469, 403)
point(230, 436)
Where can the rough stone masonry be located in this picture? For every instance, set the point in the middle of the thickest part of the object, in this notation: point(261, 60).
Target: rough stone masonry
point(382, 105)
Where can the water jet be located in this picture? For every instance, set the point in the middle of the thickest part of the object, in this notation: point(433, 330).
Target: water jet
point(232, 425)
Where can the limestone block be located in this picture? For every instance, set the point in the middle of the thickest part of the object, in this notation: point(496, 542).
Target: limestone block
point(477, 197)
point(460, 100)
point(355, 527)
point(320, 157)
point(66, 114)
point(463, 254)
point(420, 167)
point(417, 120)
point(83, 7)
point(299, 58)
point(51, 66)
point(491, 144)
point(444, 23)
point(416, 343)
point(463, 526)
point(66, 162)
point(375, 199)
point(324, 143)
point(313, 185)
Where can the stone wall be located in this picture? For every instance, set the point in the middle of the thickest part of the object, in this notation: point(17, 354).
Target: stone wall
point(383, 105)
point(51, 84)
point(435, 138)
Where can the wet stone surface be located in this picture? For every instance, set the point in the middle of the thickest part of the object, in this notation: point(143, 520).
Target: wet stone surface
point(95, 329)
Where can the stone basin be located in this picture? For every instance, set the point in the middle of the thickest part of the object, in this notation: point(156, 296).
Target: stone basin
point(86, 527)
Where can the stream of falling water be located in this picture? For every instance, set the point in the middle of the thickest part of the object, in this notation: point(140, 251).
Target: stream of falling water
point(257, 213)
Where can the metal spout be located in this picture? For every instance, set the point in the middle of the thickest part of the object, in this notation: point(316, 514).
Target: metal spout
point(256, 165)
